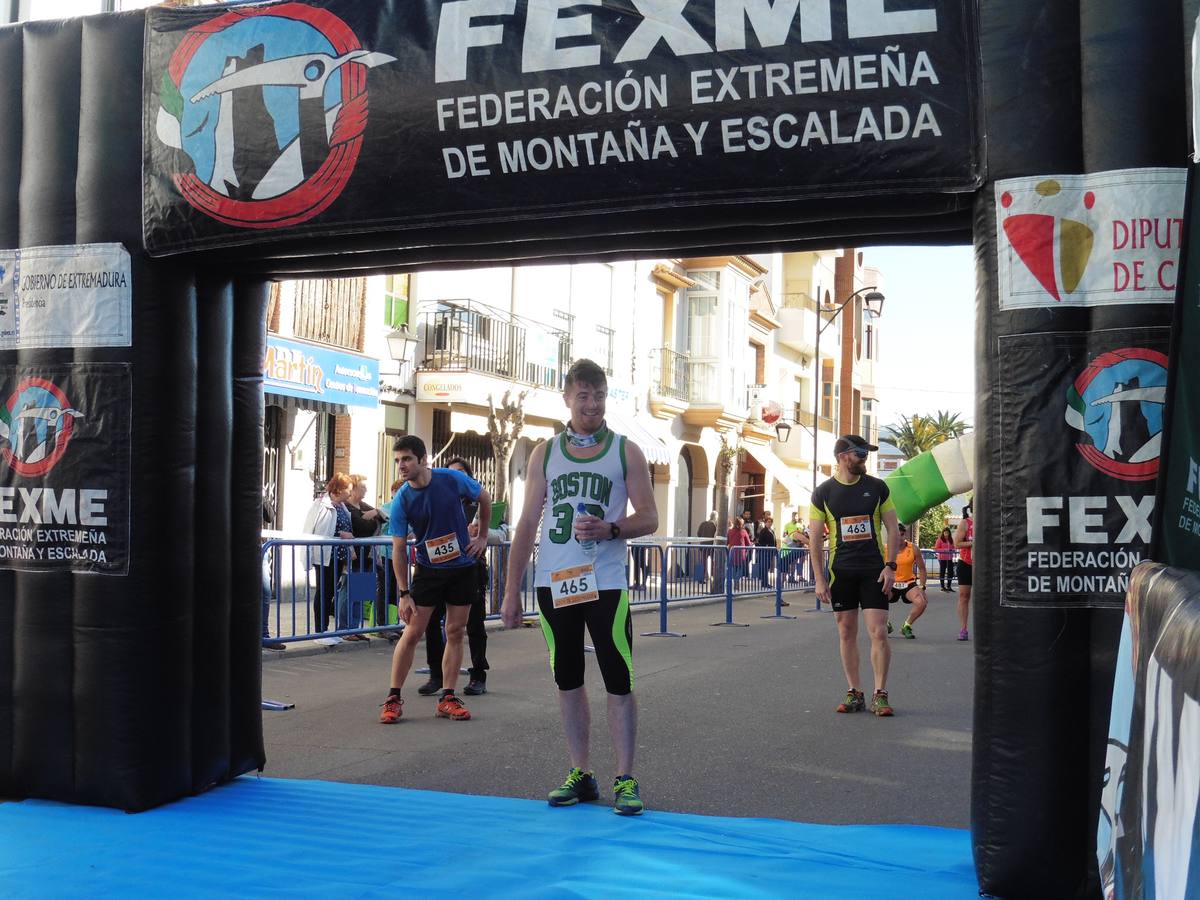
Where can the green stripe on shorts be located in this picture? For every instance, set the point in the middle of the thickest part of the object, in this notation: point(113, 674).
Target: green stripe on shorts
point(548, 634)
point(620, 633)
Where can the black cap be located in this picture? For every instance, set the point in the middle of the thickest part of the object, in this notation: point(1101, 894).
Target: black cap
point(848, 442)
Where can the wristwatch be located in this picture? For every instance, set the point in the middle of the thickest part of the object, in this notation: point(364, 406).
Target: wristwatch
point(406, 593)
point(890, 565)
point(614, 531)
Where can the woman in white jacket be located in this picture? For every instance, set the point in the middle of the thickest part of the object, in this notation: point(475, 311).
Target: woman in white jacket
point(328, 517)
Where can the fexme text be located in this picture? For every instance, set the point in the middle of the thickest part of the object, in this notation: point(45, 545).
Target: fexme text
point(662, 22)
point(43, 506)
point(1084, 519)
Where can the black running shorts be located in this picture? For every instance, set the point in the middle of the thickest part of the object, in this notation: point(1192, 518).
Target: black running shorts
point(899, 594)
point(610, 625)
point(964, 574)
point(453, 585)
point(854, 590)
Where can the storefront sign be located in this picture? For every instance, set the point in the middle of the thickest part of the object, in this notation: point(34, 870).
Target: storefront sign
point(315, 372)
point(1081, 418)
point(64, 468)
point(1089, 240)
point(439, 387)
point(341, 116)
point(69, 296)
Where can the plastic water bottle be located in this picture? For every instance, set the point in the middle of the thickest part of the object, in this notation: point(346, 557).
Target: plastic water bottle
point(587, 546)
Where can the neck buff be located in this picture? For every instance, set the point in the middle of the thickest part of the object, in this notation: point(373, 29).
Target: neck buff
point(587, 440)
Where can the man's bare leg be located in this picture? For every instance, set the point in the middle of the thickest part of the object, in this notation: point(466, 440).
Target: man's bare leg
point(577, 725)
point(622, 727)
point(456, 627)
point(881, 650)
point(406, 647)
point(847, 623)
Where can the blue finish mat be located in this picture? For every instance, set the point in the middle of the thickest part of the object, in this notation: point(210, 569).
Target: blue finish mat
point(272, 837)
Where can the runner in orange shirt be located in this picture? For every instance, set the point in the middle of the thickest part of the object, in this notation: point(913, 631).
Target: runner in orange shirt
point(905, 586)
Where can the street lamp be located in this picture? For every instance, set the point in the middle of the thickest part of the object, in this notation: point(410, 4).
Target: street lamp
point(398, 342)
point(783, 431)
point(872, 297)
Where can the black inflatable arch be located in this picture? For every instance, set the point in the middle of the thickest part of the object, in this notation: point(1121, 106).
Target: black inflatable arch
point(133, 691)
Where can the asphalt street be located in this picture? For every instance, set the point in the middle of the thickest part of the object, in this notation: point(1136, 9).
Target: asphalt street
point(733, 721)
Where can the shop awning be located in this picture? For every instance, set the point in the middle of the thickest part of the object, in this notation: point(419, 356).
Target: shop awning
point(318, 406)
point(654, 449)
point(783, 473)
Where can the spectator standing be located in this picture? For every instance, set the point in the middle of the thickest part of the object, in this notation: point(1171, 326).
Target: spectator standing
point(964, 540)
point(707, 532)
point(795, 545)
point(365, 522)
point(766, 548)
point(386, 595)
point(268, 519)
point(329, 517)
point(736, 539)
point(944, 547)
point(435, 643)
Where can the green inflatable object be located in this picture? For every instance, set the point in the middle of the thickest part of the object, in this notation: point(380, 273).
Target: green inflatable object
point(933, 477)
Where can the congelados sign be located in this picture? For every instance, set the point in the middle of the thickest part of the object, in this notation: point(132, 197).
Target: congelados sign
point(320, 118)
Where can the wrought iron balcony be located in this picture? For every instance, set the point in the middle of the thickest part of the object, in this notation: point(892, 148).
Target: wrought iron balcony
point(671, 379)
point(463, 338)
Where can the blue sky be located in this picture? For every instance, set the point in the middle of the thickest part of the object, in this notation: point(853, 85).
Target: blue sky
point(927, 333)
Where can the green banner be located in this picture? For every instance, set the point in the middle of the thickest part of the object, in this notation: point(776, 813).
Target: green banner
point(1177, 531)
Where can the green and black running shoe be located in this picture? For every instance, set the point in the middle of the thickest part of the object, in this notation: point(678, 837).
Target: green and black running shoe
point(580, 785)
point(854, 702)
point(627, 800)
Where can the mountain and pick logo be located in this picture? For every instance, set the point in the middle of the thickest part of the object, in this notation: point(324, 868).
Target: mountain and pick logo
point(36, 424)
point(269, 105)
point(1054, 248)
point(1116, 404)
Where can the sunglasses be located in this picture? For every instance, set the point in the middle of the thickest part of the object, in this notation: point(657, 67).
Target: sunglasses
point(861, 454)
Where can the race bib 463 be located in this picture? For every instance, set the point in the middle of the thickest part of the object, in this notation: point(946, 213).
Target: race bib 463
point(855, 528)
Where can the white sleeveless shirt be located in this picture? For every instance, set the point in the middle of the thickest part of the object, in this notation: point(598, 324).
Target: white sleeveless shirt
point(600, 483)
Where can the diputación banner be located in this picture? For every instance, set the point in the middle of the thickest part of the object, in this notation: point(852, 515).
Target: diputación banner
point(297, 118)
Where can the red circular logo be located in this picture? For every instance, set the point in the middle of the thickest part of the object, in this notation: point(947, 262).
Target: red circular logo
point(1117, 403)
point(40, 422)
point(238, 99)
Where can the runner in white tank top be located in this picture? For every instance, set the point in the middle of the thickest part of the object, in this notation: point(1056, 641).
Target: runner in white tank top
point(592, 467)
point(599, 483)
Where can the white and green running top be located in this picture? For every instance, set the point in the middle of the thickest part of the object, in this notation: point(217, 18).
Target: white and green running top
point(933, 477)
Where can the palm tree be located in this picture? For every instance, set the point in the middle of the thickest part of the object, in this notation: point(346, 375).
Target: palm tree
point(949, 425)
point(917, 433)
point(914, 435)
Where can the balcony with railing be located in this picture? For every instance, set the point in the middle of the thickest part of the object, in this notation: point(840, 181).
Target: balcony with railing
point(470, 338)
point(669, 389)
point(806, 419)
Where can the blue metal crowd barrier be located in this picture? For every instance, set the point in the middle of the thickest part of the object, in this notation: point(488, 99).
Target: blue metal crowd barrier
point(317, 588)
